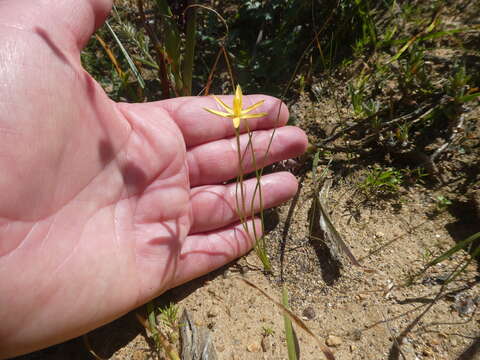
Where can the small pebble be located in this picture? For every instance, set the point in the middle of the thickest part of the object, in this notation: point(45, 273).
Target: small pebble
point(357, 334)
point(212, 313)
point(253, 347)
point(361, 296)
point(309, 313)
point(267, 344)
point(333, 341)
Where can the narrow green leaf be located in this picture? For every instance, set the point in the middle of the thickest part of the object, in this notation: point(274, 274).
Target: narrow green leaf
point(130, 62)
point(469, 97)
point(292, 353)
point(164, 8)
point(461, 245)
point(190, 41)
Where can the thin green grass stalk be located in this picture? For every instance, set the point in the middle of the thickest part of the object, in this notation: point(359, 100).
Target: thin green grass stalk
point(239, 183)
point(260, 246)
point(125, 53)
point(415, 38)
point(161, 61)
point(292, 353)
point(190, 41)
point(131, 32)
point(462, 245)
point(298, 322)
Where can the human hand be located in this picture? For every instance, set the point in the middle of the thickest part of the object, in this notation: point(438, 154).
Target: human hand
point(104, 206)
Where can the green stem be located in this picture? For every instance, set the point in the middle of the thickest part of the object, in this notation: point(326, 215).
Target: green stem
point(189, 51)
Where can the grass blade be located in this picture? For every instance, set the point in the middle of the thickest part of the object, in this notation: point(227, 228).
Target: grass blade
point(299, 322)
point(292, 352)
point(190, 41)
point(130, 62)
point(461, 245)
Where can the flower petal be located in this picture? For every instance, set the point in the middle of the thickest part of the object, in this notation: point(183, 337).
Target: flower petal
point(253, 107)
point(252, 116)
point(237, 101)
point(219, 113)
point(222, 104)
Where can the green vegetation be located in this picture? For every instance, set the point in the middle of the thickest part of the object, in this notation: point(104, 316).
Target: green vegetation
point(381, 181)
point(442, 203)
point(164, 339)
point(289, 333)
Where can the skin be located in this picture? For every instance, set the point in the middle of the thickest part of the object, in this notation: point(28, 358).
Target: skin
point(104, 205)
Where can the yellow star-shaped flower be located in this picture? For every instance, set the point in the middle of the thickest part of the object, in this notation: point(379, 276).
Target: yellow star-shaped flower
point(236, 113)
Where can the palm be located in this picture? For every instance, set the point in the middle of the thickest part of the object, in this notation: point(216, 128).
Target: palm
point(108, 204)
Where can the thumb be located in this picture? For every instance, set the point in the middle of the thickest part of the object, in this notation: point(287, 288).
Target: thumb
point(66, 22)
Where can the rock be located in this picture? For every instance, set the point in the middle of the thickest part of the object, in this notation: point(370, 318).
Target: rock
point(267, 344)
point(309, 313)
point(357, 334)
point(212, 313)
point(464, 304)
point(426, 352)
point(253, 347)
point(333, 341)
point(196, 340)
point(361, 296)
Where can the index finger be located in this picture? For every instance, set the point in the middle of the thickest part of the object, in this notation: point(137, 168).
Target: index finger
point(198, 126)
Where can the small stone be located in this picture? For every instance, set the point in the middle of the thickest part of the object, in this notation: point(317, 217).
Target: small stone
point(267, 344)
point(220, 348)
point(352, 348)
point(361, 296)
point(333, 341)
point(379, 234)
point(309, 313)
point(253, 347)
point(427, 352)
point(357, 334)
point(212, 313)
point(464, 304)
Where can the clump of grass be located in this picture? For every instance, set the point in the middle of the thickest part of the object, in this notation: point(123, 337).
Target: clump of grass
point(169, 317)
point(267, 331)
point(381, 181)
point(442, 203)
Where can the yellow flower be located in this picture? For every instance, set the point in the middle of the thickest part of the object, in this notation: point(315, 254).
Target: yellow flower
point(236, 113)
